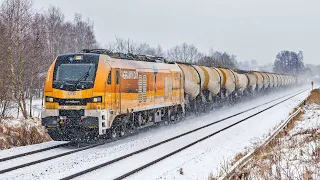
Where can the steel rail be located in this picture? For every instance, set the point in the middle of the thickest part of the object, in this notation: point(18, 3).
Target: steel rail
point(49, 158)
point(32, 152)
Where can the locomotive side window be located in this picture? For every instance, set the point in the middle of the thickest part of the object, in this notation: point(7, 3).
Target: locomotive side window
point(109, 78)
point(117, 76)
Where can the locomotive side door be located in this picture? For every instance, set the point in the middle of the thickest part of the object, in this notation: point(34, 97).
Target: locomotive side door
point(117, 92)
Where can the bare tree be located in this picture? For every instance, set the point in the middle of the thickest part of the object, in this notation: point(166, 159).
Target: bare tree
point(17, 17)
point(184, 53)
point(29, 43)
point(127, 46)
point(218, 59)
point(37, 43)
point(54, 26)
point(5, 90)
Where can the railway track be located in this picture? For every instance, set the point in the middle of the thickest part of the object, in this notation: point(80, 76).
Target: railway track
point(48, 158)
point(33, 152)
point(152, 147)
point(125, 156)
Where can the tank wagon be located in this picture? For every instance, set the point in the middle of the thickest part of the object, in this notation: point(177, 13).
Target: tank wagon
point(97, 93)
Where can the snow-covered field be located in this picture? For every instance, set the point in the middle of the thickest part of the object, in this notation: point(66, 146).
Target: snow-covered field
point(36, 109)
point(197, 162)
point(23, 149)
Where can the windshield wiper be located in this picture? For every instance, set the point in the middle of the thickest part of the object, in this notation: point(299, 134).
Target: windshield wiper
point(85, 75)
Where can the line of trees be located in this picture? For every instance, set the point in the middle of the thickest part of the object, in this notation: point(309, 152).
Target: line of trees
point(218, 59)
point(29, 43)
point(185, 53)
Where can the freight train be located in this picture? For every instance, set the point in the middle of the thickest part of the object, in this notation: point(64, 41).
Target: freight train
point(100, 94)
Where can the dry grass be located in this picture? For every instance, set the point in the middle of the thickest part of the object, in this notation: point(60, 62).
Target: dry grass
point(307, 175)
point(314, 97)
point(316, 154)
point(21, 133)
point(237, 158)
point(181, 171)
point(211, 177)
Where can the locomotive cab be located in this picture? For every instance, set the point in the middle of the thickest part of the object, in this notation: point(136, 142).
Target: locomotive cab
point(74, 96)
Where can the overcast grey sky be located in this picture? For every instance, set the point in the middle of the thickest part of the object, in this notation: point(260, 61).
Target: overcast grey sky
point(250, 29)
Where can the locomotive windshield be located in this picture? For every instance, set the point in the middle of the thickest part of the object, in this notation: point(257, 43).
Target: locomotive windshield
point(74, 72)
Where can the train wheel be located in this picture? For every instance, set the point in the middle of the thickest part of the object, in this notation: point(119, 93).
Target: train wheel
point(172, 117)
point(114, 133)
point(123, 129)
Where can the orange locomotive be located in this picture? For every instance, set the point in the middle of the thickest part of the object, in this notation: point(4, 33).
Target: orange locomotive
point(92, 94)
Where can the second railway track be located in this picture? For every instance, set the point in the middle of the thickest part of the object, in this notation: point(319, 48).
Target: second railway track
point(33, 152)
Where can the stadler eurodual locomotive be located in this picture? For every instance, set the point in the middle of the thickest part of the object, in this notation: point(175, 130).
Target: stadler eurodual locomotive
point(97, 93)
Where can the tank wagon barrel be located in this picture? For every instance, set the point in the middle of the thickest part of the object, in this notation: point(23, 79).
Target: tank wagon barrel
point(191, 80)
point(214, 80)
point(253, 82)
point(241, 82)
point(229, 81)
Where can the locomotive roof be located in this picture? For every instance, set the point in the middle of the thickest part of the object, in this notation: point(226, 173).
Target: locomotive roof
point(127, 56)
point(128, 63)
point(132, 64)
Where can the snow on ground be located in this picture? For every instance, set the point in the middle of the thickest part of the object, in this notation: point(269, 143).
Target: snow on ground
point(23, 149)
point(197, 162)
point(36, 107)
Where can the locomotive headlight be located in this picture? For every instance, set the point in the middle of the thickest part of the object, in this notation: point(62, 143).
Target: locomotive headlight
point(49, 99)
point(78, 58)
point(97, 99)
